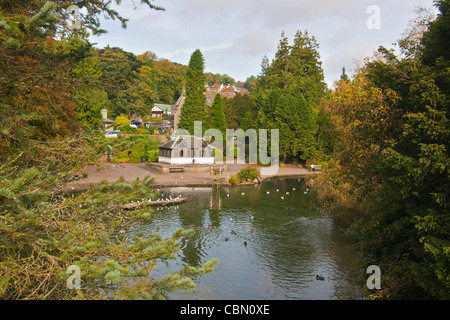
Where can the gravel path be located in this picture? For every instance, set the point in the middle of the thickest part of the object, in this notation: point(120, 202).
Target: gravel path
point(131, 171)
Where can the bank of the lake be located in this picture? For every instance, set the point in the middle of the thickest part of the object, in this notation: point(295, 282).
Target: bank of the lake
point(111, 172)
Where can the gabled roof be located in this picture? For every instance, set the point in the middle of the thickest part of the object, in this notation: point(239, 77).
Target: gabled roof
point(164, 107)
point(190, 142)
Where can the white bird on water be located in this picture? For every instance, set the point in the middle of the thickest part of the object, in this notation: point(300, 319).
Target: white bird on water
point(267, 192)
point(282, 198)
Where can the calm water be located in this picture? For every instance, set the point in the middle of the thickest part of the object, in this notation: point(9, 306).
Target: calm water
point(292, 241)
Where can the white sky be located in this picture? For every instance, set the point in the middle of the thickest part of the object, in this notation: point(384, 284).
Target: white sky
point(235, 35)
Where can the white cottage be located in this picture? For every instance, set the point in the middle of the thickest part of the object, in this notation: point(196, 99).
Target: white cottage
point(186, 150)
point(159, 110)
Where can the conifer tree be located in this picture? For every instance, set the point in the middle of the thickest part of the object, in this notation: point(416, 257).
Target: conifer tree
point(305, 67)
point(280, 65)
point(43, 230)
point(194, 108)
point(344, 76)
point(247, 121)
point(218, 116)
point(288, 92)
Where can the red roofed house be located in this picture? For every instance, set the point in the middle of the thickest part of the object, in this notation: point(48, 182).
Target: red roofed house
point(225, 91)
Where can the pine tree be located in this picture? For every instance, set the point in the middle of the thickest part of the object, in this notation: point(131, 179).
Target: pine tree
point(305, 67)
point(279, 69)
point(344, 76)
point(288, 92)
point(247, 121)
point(194, 108)
point(43, 230)
point(218, 120)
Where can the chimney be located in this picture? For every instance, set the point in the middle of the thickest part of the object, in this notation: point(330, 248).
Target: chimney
point(104, 114)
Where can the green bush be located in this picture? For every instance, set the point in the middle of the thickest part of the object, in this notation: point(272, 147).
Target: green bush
point(141, 130)
point(126, 129)
point(153, 155)
point(139, 149)
point(121, 121)
point(324, 164)
point(234, 180)
point(139, 146)
point(249, 172)
point(122, 156)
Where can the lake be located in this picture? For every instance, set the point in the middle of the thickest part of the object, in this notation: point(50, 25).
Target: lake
point(271, 241)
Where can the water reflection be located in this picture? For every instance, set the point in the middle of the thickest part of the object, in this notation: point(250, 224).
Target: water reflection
point(271, 241)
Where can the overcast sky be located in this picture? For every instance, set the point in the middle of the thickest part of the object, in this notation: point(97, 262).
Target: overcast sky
point(234, 35)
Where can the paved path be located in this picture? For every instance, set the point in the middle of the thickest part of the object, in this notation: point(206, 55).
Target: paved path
point(130, 171)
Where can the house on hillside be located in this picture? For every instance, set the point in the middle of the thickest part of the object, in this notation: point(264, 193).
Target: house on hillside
point(186, 150)
point(107, 123)
point(226, 91)
point(161, 110)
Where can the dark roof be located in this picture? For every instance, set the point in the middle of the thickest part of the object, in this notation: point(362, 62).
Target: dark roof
point(169, 117)
point(190, 141)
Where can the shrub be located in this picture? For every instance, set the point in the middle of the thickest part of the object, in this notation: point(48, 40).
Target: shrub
point(126, 129)
point(249, 172)
point(324, 164)
point(151, 129)
point(121, 121)
point(121, 157)
point(139, 149)
point(153, 155)
point(138, 145)
point(141, 130)
point(234, 180)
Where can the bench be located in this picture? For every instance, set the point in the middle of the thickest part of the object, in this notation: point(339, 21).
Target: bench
point(176, 169)
point(318, 167)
